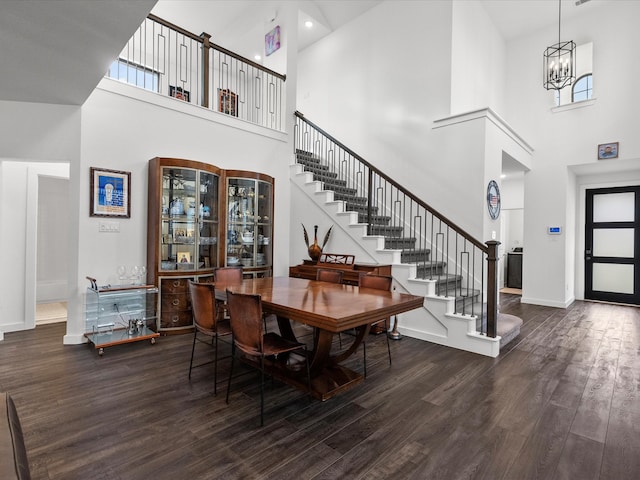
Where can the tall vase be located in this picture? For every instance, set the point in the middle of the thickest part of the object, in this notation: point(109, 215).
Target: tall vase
point(314, 250)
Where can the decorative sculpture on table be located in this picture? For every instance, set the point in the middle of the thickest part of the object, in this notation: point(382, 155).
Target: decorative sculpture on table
point(314, 249)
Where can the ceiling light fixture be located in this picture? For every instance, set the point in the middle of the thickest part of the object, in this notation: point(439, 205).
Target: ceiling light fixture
point(559, 61)
point(308, 24)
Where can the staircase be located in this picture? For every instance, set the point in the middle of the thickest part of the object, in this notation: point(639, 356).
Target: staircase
point(448, 285)
point(426, 261)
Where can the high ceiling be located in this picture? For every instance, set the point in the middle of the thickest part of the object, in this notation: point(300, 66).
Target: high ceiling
point(59, 50)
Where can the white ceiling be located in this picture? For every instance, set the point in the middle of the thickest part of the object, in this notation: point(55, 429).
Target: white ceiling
point(59, 50)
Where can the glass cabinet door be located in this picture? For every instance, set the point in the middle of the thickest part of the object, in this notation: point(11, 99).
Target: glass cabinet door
point(263, 223)
point(189, 225)
point(208, 221)
point(249, 223)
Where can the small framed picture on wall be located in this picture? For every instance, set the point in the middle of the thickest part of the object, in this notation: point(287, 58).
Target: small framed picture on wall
point(607, 150)
point(110, 193)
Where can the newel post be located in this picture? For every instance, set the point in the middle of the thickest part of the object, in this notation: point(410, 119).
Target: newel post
point(492, 287)
point(206, 45)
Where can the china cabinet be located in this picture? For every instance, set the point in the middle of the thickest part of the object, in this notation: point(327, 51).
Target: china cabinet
point(249, 222)
point(183, 240)
point(117, 315)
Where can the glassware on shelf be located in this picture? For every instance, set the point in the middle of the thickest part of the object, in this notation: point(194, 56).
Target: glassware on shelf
point(135, 275)
point(122, 274)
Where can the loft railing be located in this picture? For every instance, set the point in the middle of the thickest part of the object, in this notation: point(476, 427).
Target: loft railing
point(460, 265)
point(170, 60)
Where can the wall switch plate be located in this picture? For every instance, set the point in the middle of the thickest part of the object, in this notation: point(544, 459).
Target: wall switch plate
point(109, 227)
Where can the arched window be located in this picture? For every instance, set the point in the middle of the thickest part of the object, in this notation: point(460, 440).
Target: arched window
point(582, 88)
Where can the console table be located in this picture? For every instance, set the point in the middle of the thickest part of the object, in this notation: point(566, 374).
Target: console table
point(346, 263)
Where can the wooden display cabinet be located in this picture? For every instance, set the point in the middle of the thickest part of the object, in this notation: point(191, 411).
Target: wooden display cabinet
point(183, 234)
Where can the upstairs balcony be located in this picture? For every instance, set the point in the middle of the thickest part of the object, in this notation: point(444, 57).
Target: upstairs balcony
point(171, 61)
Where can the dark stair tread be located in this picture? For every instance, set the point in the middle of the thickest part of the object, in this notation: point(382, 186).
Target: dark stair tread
point(412, 255)
point(351, 199)
point(320, 171)
point(375, 219)
point(401, 243)
point(386, 230)
point(340, 190)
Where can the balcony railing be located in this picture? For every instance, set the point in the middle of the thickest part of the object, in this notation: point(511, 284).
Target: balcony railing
point(461, 266)
point(172, 61)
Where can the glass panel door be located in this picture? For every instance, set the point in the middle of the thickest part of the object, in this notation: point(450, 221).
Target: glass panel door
point(612, 238)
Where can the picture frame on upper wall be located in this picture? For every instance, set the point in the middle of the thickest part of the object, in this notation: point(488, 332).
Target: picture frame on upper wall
point(607, 151)
point(110, 193)
point(228, 102)
point(179, 93)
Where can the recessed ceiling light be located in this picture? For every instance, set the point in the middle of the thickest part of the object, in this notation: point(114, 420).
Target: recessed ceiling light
point(257, 57)
point(503, 176)
point(308, 24)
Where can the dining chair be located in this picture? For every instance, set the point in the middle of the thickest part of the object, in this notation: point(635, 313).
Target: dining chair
point(250, 338)
point(227, 275)
point(377, 282)
point(333, 276)
point(207, 321)
point(329, 275)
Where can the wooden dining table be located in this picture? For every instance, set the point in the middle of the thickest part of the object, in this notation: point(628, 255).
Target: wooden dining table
point(330, 308)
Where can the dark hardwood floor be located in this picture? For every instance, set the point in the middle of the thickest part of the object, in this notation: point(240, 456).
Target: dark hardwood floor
point(562, 401)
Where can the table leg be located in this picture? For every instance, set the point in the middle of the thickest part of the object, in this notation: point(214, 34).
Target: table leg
point(328, 377)
point(394, 334)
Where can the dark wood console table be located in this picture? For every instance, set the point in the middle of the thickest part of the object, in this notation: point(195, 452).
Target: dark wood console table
point(351, 271)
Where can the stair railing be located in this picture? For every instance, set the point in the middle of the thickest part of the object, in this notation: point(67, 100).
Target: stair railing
point(460, 265)
point(169, 60)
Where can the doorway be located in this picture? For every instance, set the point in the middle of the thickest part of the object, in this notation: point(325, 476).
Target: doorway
point(612, 242)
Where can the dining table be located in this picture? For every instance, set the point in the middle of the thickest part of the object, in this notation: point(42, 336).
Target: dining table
point(329, 308)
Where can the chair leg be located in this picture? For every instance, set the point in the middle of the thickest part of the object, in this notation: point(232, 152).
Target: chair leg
point(306, 357)
point(215, 367)
point(233, 355)
point(193, 349)
point(364, 356)
point(386, 334)
point(262, 390)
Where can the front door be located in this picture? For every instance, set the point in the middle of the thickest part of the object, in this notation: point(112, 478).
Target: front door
point(612, 245)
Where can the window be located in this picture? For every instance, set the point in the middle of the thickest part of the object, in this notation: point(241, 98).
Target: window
point(582, 88)
point(134, 74)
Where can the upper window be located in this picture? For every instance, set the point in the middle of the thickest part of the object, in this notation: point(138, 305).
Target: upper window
point(582, 88)
point(134, 74)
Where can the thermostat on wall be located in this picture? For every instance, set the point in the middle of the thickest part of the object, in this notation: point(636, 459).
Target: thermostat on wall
point(554, 230)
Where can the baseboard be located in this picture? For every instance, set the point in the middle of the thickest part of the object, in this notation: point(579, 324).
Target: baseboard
point(547, 303)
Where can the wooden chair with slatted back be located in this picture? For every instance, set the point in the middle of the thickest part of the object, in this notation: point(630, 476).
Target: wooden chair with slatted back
point(227, 276)
point(329, 275)
point(250, 338)
point(207, 322)
point(377, 282)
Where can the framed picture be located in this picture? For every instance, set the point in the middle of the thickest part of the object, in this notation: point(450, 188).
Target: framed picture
point(607, 150)
point(110, 194)
point(272, 41)
point(179, 93)
point(228, 102)
point(184, 257)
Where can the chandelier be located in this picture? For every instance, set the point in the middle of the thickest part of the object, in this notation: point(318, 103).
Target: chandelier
point(559, 61)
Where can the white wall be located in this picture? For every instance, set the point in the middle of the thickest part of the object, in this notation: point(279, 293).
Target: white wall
point(52, 257)
point(32, 138)
point(478, 53)
point(370, 85)
point(123, 128)
point(569, 137)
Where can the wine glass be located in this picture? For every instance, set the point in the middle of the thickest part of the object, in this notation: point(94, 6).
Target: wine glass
point(122, 271)
point(135, 275)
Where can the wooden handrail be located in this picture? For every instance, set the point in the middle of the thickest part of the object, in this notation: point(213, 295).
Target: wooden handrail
point(424, 205)
point(201, 39)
